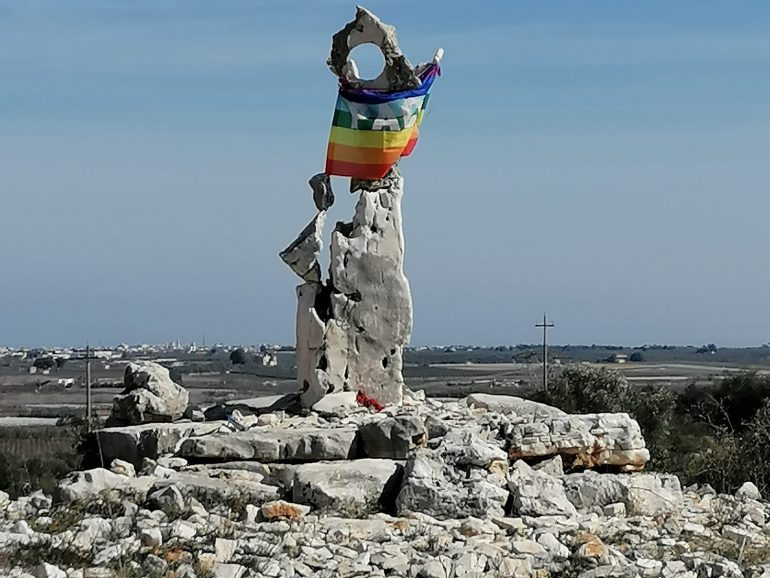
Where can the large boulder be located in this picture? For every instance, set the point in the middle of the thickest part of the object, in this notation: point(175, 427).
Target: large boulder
point(254, 406)
point(211, 491)
point(643, 494)
point(338, 404)
point(466, 446)
point(352, 329)
point(89, 484)
point(275, 445)
point(355, 488)
point(434, 487)
point(150, 395)
point(590, 491)
point(588, 441)
point(536, 493)
point(508, 404)
point(392, 437)
point(150, 440)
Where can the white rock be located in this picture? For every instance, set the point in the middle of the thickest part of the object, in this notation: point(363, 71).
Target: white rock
point(154, 565)
point(590, 440)
point(616, 510)
point(250, 514)
point(168, 499)
point(46, 570)
point(149, 440)
point(470, 565)
point(748, 491)
point(648, 567)
point(150, 395)
point(123, 468)
point(337, 404)
point(553, 466)
point(172, 462)
point(652, 494)
point(39, 500)
point(182, 529)
point(91, 531)
point(391, 437)
point(736, 534)
point(552, 544)
point(432, 569)
point(151, 537)
point(229, 571)
point(275, 445)
point(643, 494)
point(358, 341)
point(88, 484)
point(224, 549)
point(515, 567)
point(529, 547)
point(466, 447)
point(212, 492)
point(302, 255)
point(433, 487)
point(268, 420)
point(508, 404)
point(22, 527)
point(107, 555)
point(352, 488)
point(694, 528)
point(537, 493)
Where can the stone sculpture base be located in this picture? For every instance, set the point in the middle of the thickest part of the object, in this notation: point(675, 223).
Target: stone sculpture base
point(351, 331)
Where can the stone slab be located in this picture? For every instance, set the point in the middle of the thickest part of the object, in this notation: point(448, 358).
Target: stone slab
point(275, 445)
point(134, 443)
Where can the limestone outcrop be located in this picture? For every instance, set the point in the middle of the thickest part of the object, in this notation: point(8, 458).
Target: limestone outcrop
point(150, 395)
point(352, 329)
point(457, 504)
point(589, 440)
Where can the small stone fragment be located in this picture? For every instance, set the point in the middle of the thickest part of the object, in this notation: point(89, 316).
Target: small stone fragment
point(748, 491)
point(280, 509)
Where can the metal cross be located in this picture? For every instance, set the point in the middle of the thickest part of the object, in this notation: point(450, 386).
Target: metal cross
point(545, 325)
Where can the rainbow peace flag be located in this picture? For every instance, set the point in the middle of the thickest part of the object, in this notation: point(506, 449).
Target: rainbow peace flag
point(372, 129)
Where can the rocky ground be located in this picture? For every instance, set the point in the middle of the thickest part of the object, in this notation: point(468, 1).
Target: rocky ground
point(484, 486)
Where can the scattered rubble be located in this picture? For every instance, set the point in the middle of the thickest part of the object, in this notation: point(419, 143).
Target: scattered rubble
point(304, 495)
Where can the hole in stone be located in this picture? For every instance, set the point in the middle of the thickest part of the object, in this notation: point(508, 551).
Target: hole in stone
point(373, 229)
point(323, 303)
point(347, 372)
point(385, 363)
point(305, 386)
point(393, 351)
point(323, 363)
point(330, 388)
point(344, 229)
point(369, 60)
point(354, 296)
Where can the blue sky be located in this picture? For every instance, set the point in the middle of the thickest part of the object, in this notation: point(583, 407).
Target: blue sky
point(606, 161)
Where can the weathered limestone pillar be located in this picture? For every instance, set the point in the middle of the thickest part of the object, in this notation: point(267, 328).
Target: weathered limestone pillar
point(353, 327)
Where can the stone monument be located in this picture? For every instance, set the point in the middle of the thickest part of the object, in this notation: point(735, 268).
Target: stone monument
point(353, 326)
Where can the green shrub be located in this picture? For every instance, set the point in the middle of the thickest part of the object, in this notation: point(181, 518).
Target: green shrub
point(587, 389)
point(717, 435)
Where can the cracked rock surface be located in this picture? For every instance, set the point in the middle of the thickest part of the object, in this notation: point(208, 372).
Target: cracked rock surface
point(352, 329)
